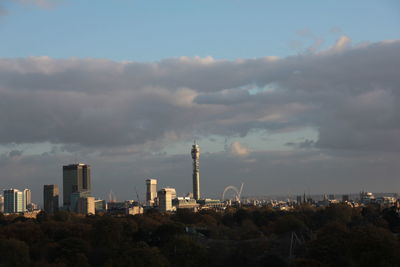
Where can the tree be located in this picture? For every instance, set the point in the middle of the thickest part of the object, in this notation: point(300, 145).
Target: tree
point(331, 245)
point(375, 246)
point(14, 253)
point(184, 251)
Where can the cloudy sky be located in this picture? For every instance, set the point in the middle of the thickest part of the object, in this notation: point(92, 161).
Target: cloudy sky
point(285, 97)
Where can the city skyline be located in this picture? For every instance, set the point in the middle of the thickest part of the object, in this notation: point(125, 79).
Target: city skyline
point(284, 97)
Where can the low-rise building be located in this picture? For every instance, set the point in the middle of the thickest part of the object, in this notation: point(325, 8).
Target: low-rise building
point(185, 203)
point(211, 203)
point(134, 210)
point(100, 205)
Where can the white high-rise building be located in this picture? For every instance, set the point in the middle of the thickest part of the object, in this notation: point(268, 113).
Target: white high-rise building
point(14, 201)
point(151, 191)
point(165, 197)
point(196, 171)
point(27, 197)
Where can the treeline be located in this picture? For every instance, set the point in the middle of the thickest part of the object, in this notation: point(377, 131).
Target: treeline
point(334, 236)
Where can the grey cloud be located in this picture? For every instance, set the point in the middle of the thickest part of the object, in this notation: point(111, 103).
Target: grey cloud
point(349, 94)
point(15, 153)
point(303, 144)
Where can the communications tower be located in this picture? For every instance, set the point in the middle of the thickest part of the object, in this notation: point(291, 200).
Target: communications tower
point(196, 170)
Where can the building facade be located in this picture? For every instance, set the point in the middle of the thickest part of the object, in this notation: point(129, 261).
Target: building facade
point(50, 198)
point(151, 191)
point(14, 201)
point(27, 197)
point(76, 178)
point(185, 203)
point(86, 205)
point(100, 205)
point(165, 197)
point(75, 198)
point(1, 203)
point(196, 171)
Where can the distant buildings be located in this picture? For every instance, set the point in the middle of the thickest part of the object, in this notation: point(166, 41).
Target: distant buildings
point(165, 197)
point(86, 205)
point(50, 198)
point(366, 197)
point(27, 197)
point(151, 191)
point(196, 171)
point(1, 203)
point(14, 201)
point(185, 203)
point(32, 207)
point(75, 198)
point(128, 207)
point(134, 210)
point(100, 205)
point(76, 179)
point(208, 203)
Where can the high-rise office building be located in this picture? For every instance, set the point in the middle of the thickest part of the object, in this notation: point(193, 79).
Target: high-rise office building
point(76, 178)
point(151, 191)
point(50, 198)
point(196, 171)
point(14, 201)
point(75, 200)
point(86, 205)
point(165, 197)
point(1, 203)
point(27, 197)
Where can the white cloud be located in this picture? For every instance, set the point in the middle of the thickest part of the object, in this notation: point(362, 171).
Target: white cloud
point(342, 43)
point(237, 149)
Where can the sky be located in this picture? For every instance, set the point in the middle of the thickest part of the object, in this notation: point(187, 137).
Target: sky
point(286, 97)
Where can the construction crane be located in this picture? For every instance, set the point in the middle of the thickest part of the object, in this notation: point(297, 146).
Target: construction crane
point(137, 195)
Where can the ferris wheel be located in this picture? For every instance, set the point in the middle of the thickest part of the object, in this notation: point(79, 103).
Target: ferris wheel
point(237, 192)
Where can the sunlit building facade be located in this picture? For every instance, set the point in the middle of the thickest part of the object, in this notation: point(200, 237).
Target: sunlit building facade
point(151, 191)
point(14, 201)
point(165, 197)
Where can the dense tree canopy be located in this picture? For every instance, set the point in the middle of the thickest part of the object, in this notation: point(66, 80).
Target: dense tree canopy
point(337, 235)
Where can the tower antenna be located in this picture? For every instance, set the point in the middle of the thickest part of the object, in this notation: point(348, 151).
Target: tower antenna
point(196, 170)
